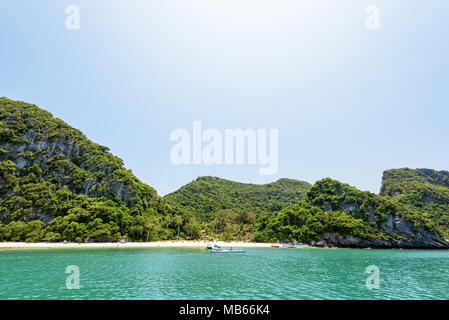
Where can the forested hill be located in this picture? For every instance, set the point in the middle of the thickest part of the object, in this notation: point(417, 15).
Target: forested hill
point(336, 214)
point(424, 190)
point(207, 195)
point(55, 184)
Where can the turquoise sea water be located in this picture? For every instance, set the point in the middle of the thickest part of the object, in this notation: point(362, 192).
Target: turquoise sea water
point(172, 273)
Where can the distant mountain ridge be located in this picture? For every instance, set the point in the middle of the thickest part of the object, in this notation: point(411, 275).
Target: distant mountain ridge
point(207, 195)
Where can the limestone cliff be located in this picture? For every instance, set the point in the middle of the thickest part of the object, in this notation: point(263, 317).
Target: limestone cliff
point(338, 215)
point(56, 178)
point(423, 190)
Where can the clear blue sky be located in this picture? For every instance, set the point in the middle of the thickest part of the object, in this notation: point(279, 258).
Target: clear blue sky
point(348, 102)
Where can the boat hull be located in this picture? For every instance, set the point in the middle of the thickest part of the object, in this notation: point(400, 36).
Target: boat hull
point(228, 251)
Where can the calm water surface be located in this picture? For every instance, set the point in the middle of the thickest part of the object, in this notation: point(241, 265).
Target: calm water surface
point(171, 273)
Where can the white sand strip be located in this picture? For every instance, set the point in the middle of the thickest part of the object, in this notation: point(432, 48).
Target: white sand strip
point(174, 244)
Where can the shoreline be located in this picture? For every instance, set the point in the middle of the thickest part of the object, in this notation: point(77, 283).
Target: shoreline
point(155, 244)
point(173, 244)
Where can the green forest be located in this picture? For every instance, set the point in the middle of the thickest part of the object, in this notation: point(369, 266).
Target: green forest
point(57, 185)
point(228, 210)
point(423, 190)
point(333, 207)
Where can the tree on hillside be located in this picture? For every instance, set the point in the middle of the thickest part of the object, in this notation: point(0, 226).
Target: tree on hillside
point(177, 219)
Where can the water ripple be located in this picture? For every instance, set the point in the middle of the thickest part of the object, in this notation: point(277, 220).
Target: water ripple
point(169, 273)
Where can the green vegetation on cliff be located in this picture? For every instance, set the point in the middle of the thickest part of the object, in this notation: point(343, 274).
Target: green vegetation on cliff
point(229, 209)
point(331, 207)
point(424, 190)
point(56, 185)
point(207, 195)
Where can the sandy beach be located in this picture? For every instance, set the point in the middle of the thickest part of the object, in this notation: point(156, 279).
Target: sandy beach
point(173, 244)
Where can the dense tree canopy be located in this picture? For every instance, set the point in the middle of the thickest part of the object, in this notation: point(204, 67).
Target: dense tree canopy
point(56, 185)
point(423, 190)
point(333, 207)
point(228, 209)
point(208, 195)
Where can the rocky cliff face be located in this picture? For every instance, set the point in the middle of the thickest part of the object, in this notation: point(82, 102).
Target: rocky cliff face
point(423, 190)
point(60, 158)
point(55, 185)
point(337, 215)
point(418, 238)
point(45, 165)
point(408, 235)
point(399, 181)
point(31, 138)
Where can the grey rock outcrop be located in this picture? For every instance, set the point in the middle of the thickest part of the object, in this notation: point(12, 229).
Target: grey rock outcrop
point(42, 149)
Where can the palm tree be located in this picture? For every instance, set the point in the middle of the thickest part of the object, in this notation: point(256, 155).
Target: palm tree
point(177, 219)
point(157, 228)
point(149, 226)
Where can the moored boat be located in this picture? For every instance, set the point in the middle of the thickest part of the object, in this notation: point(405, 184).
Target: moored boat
point(220, 250)
point(289, 245)
point(294, 245)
